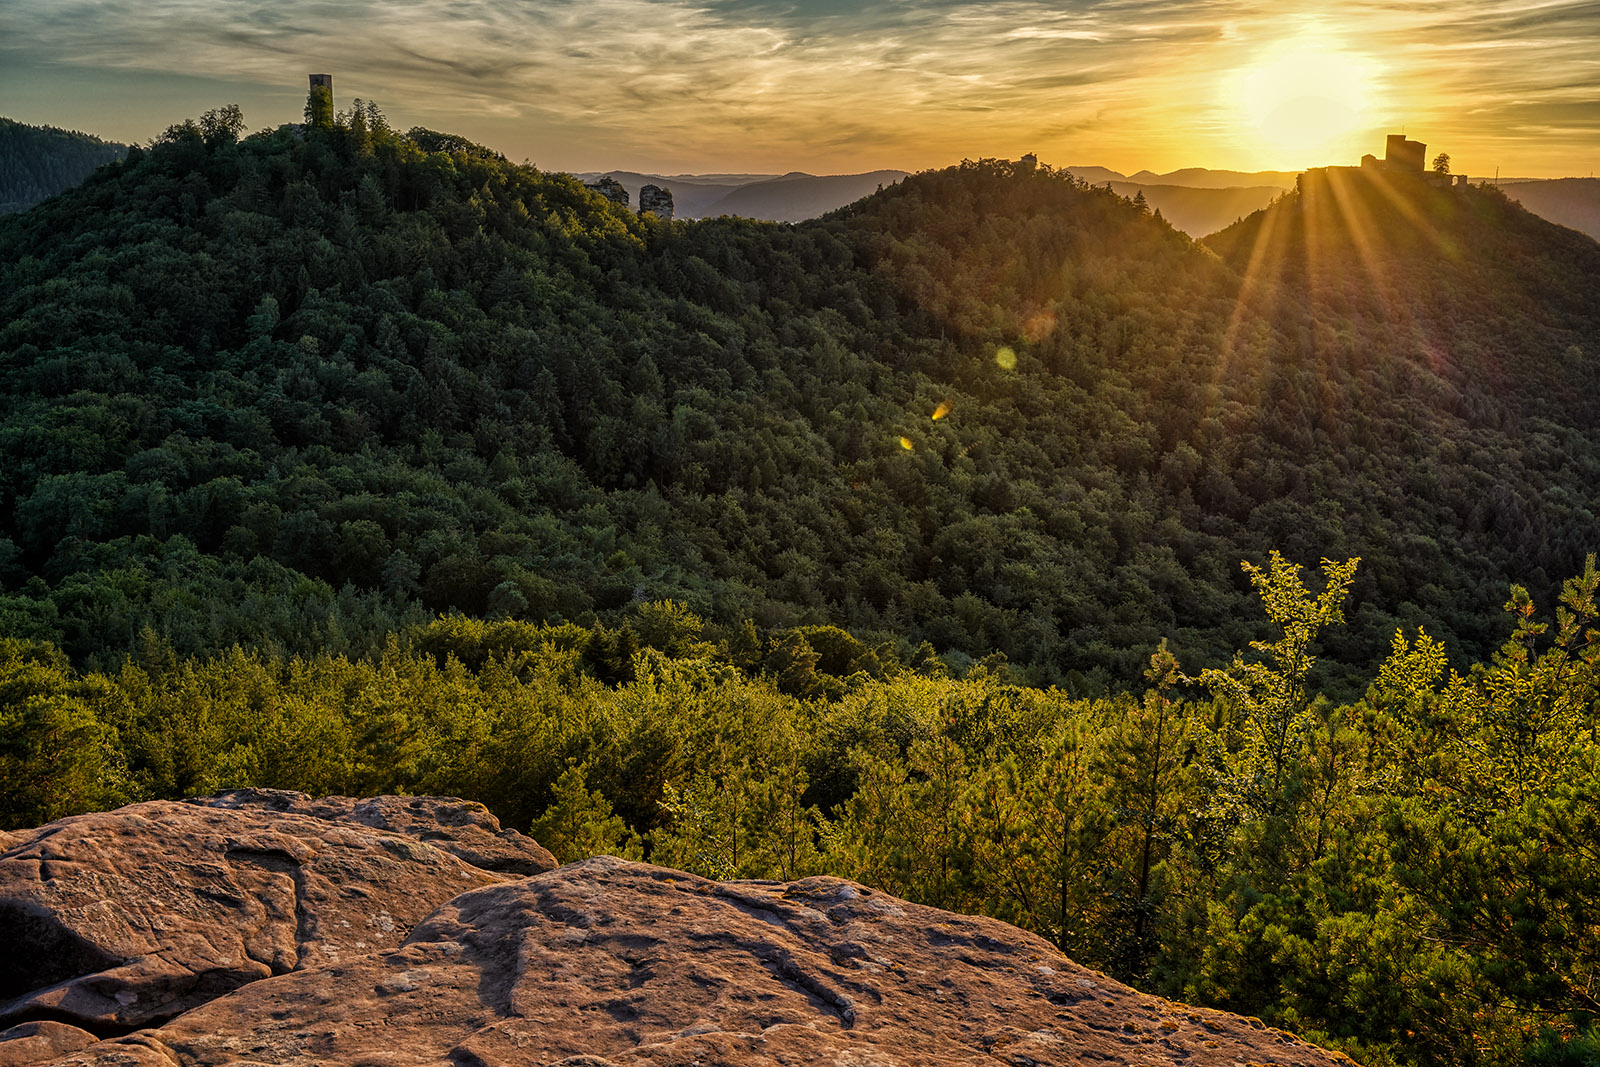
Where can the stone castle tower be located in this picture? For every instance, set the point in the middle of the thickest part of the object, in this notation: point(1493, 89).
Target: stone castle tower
point(1401, 154)
point(324, 81)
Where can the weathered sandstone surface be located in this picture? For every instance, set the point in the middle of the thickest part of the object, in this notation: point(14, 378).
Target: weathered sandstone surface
point(124, 919)
point(460, 827)
point(356, 945)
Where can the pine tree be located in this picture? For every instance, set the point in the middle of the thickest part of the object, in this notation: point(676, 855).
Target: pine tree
point(580, 823)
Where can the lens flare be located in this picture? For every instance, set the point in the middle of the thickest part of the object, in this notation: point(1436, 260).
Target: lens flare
point(1005, 358)
point(905, 443)
point(941, 411)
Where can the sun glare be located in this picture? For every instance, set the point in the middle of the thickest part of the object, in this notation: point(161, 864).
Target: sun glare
point(1304, 95)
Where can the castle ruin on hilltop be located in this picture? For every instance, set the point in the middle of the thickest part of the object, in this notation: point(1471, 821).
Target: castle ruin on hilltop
point(1402, 158)
point(653, 199)
point(1399, 154)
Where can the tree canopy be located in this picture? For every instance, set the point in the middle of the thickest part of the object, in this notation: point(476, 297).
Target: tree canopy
point(302, 388)
point(37, 162)
point(350, 460)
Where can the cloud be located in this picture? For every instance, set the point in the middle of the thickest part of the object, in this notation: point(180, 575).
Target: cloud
point(905, 82)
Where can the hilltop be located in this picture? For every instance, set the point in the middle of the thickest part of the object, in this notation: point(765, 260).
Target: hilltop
point(1358, 247)
point(296, 390)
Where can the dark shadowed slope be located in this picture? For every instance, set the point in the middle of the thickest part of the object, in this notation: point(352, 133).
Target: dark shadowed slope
point(40, 161)
point(1573, 202)
point(795, 197)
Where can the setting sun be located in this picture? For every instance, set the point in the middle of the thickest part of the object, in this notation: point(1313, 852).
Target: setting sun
point(1304, 95)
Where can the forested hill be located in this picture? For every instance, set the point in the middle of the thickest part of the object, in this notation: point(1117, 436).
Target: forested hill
point(311, 386)
point(1498, 300)
point(40, 161)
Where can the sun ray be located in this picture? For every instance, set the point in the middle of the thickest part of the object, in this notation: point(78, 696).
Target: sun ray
point(1407, 207)
point(1254, 271)
point(1364, 236)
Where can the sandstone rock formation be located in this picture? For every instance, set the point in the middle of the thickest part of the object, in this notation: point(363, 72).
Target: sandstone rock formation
point(460, 827)
point(598, 963)
point(37, 1042)
point(124, 919)
point(611, 189)
point(654, 198)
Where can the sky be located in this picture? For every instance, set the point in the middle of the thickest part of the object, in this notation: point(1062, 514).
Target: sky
point(830, 86)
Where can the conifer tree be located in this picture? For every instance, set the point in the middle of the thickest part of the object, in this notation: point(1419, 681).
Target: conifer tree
point(580, 823)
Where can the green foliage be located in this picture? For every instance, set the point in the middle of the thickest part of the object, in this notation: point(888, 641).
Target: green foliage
point(425, 380)
point(37, 162)
point(1407, 894)
point(1149, 762)
point(1525, 718)
point(1269, 696)
point(1555, 1050)
point(580, 823)
point(1497, 829)
point(670, 627)
point(56, 756)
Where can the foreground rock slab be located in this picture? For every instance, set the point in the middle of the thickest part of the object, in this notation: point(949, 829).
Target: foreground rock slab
point(463, 828)
point(124, 919)
point(613, 963)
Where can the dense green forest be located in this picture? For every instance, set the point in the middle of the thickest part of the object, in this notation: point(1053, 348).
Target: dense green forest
point(308, 387)
point(37, 162)
point(903, 544)
point(1411, 878)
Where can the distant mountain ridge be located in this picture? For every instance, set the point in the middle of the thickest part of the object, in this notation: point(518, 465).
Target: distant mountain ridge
point(1199, 211)
point(1195, 200)
point(791, 197)
point(1570, 202)
point(37, 162)
point(796, 197)
point(1191, 177)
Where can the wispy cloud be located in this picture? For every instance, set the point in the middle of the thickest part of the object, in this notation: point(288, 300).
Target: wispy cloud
point(742, 83)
